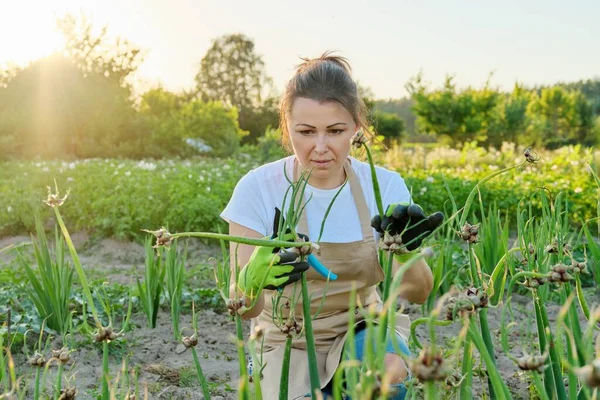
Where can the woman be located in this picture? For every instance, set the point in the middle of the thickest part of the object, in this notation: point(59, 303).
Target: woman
point(320, 112)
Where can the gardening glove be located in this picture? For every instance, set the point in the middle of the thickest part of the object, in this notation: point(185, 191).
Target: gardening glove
point(270, 268)
point(409, 221)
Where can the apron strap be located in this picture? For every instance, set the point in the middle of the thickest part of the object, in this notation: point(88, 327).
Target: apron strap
point(357, 194)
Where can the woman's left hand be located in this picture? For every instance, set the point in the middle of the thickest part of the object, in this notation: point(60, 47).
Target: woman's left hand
point(409, 221)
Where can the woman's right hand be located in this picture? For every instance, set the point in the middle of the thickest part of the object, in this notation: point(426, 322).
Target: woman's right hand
point(269, 269)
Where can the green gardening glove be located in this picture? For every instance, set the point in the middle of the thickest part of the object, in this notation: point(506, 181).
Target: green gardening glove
point(270, 269)
point(407, 223)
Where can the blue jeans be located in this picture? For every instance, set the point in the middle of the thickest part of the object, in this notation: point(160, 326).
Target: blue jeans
point(359, 344)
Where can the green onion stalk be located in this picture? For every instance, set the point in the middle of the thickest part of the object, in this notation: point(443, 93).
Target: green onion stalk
point(175, 271)
point(151, 288)
point(315, 383)
point(497, 382)
point(477, 282)
point(51, 282)
point(105, 371)
point(244, 390)
point(55, 201)
point(430, 391)
point(58, 385)
point(483, 322)
point(257, 372)
point(36, 389)
point(190, 342)
point(466, 388)
point(38, 360)
point(572, 345)
point(386, 259)
point(555, 362)
point(350, 373)
point(103, 334)
point(285, 370)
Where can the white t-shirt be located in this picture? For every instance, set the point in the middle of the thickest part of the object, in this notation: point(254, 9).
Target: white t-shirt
point(262, 189)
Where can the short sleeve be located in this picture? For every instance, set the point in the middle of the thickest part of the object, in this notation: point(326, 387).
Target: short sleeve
point(246, 206)
point(395, 191)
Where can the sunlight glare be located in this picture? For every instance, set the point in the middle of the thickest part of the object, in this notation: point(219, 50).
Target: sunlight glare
point(31, 32)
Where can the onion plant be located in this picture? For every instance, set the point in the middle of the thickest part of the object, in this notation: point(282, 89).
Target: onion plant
point(175, 273)
point(151, 288)
point(104, 334)
point(50, 283)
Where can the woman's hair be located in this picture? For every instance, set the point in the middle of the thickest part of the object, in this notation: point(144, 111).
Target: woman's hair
point(326, 78)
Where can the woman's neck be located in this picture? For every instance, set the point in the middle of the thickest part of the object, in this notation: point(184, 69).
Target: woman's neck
point(332, 181)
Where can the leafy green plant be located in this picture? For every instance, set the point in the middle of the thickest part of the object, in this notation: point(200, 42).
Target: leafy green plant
point(51, 283)
point(151, 288)
point(175, 273)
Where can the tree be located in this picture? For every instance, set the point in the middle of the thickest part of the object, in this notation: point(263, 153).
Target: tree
point(259, 120)
point(52, 109)
point(75, 103)
point(160, 103)
point(584, 120)
point(511, 120)
point(214, 124)
point(95, 54)
point(173, 120)
point(560, 117)
point(367, 96)
point(590, 88)
point(232, 72)
point(463, 116)
point(388, 125)
point(403, 109)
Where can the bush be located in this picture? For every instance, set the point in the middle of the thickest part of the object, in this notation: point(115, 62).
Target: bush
point(216, 125)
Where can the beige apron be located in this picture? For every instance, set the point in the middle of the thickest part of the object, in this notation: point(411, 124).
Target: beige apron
point(354, 263)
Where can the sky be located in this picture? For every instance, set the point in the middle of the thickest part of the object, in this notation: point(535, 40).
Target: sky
point(387, 42)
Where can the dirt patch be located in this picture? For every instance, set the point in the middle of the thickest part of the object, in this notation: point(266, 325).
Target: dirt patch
point(164, 369)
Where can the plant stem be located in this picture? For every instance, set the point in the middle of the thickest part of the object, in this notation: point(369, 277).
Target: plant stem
point(105, 377)
point(315, 385)
point(36, 389)
point(201, 378)
point(539, 386)
point(58, 387)
point(78, 268)
point(387, 283)
point(285, 369)
point(430, 391)
point(497, 381)
point(548, 375)
point(466, 390)
point(420, 321)
point(487, 339)
point(467, 207)
point(388, 276)
point(555, 362)
point(376, 189)
point(241, 239)
point(244, 389)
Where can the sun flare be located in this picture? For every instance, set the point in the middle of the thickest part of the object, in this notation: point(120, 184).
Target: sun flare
point(31, 33)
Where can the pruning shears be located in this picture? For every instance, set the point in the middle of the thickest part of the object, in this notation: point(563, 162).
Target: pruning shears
point(310, 259)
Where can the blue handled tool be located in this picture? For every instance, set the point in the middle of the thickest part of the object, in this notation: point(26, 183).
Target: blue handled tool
point(320, 268)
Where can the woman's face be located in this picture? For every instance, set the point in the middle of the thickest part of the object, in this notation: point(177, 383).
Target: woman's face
point(321, 135)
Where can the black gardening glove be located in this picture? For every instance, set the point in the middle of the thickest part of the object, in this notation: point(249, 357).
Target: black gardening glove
point(409, 221)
